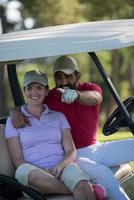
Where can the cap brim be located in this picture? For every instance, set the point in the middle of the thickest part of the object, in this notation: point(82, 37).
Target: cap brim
point(35, 81)
point(66, 71)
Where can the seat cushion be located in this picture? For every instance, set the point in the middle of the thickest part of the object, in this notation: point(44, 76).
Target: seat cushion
point(6, 166)
point(59, 197)
point(123, 171)
point(128, 185)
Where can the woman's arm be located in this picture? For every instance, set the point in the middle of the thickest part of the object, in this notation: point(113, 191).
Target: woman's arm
point(70, 152)
point(69, 147)
point(15, 151)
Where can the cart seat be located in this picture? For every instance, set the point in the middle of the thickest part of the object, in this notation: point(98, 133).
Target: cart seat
point(123, 171)
point(6, 167)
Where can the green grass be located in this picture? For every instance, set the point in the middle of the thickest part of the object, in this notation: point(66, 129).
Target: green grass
point(116, 136)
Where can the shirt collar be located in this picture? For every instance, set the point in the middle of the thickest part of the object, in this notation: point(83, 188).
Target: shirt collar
point(26, 113)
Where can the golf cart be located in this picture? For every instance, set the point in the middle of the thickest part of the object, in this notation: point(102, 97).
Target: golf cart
point(87, 37)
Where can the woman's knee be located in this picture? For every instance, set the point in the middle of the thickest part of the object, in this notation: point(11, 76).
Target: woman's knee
point(84, 190)
point(72, 175)
point(33, 176)
point(23, 171)
point(82, 186)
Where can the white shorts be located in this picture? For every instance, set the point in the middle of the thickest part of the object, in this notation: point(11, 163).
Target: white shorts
point(71, 175)
point(22, 172)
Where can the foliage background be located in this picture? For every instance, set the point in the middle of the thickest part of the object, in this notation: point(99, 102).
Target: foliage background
point(119, 64)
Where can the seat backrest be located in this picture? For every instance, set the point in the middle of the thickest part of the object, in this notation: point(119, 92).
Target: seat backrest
point(6, 166)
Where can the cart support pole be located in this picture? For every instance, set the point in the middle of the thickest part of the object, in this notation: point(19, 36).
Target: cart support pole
point(113, 91)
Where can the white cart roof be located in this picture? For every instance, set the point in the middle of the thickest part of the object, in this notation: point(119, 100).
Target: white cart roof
point(67, 39)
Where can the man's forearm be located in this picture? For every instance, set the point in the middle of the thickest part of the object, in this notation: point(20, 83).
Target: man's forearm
point(89, 97)
point(14, 110)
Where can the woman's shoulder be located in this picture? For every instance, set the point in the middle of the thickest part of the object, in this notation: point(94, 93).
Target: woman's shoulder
point(8, 121)
point(57, 114)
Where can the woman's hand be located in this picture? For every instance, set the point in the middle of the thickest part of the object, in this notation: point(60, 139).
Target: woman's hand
point(70, 153)
point(57, 170)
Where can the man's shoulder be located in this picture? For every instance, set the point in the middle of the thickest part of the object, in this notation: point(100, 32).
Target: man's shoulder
point(89, 86)
point(52, 91)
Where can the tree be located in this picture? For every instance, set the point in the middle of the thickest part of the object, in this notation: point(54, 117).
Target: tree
point(99, 10)
point(2, 85)
point(51, 12)
point(130, 71)
point(94, 10)
point(55, 12)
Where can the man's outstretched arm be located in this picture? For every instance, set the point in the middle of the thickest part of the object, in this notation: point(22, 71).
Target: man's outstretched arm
point(89, 97)
point(84, 97)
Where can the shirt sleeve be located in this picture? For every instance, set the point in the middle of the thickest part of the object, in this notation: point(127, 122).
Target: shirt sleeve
point(10, 131)
point(90, 86)
point(63, 121)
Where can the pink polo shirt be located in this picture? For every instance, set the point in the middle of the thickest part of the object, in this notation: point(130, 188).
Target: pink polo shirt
point(41, 142)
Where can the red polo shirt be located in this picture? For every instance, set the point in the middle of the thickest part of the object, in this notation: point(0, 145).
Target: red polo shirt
point(83, 119)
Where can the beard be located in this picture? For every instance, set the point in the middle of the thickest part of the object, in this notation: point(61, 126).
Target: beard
point(69, 86)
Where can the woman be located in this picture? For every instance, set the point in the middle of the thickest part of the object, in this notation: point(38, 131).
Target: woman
point(43, 153)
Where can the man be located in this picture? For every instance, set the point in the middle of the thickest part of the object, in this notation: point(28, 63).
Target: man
point(82, 99)
point(80, 103)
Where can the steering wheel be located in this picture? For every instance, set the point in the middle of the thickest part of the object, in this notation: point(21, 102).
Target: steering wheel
point(116, 120)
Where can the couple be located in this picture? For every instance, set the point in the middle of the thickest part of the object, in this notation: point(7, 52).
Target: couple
point(80, 104)
point(44, 153)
